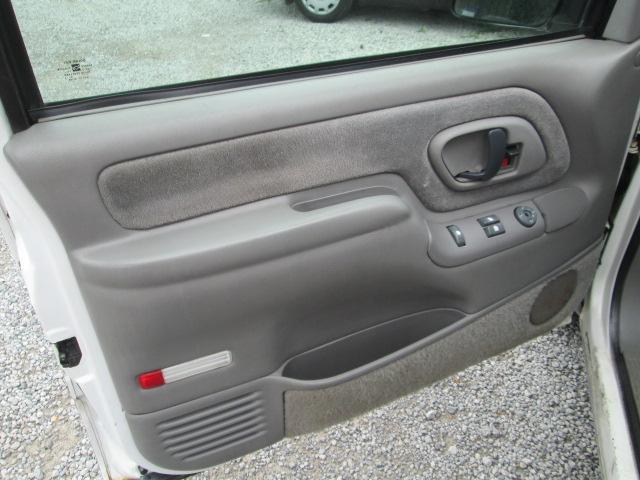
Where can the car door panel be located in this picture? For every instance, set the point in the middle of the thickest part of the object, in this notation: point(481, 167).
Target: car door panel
point(171, 187)
point(193, 435)
point(301, 227)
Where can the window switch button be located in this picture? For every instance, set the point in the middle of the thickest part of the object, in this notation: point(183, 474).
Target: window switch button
point(493, 230)
point(457, 235)
point(488, 220)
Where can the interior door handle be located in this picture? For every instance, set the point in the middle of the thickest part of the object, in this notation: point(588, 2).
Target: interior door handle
point(497, 138)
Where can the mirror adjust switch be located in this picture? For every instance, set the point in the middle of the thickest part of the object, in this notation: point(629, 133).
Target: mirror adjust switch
point(488, 220)
point(457, 235)
point(493, 230)
point(527, 216)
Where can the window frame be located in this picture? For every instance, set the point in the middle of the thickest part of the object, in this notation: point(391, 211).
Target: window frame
point(24, 105)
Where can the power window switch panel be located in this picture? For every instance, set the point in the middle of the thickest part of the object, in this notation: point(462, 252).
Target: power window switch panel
point(494, 230)
point(457, 235)
point(488, 220)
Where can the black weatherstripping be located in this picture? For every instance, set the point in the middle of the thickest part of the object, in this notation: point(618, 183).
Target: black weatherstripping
point(18, 88)
point(597, 15)
point(72, 107)
point(628, 398)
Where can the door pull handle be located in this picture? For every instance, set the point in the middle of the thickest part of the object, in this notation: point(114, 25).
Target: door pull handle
point(497, 138)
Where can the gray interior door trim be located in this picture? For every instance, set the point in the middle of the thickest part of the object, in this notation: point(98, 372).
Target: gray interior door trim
point(353, 273)
point(166, 188)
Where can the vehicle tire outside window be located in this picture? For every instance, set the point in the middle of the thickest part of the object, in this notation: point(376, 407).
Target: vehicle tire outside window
point(324, 10)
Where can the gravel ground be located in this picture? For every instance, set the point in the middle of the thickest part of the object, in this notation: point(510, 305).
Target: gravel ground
point(523, 414)
point(122, 45)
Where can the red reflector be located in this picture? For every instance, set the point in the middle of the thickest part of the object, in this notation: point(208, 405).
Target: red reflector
point(151, 379)
point(506, 162)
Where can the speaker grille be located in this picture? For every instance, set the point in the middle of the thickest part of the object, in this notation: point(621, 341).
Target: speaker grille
point(553, 297)
point(214, 428)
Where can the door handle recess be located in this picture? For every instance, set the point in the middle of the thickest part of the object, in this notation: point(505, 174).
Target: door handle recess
point(497, 138)
point(463, 160)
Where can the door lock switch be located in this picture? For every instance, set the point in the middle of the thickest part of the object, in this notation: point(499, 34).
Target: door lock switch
point(488, 220)
point(527, 216)
point(494, 230)
point(457, 235)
